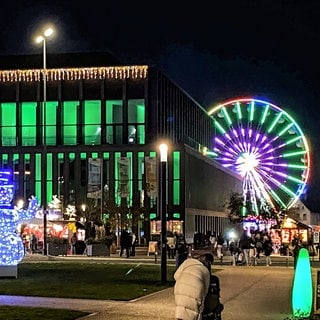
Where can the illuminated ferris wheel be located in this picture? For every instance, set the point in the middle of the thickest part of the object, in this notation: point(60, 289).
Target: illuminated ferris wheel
point(266, 147)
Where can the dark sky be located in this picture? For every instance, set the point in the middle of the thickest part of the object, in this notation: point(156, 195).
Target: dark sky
point(215, 51)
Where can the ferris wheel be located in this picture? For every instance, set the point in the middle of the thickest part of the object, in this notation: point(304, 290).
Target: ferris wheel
point(266, 147)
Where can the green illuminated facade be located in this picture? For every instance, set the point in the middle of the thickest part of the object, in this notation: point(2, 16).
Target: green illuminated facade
point(118, 114)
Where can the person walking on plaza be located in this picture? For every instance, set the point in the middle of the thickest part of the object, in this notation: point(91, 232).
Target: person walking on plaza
point(233, 248)
point(213, 242)
point(220, 242)
point(181, 249)
point(133, 244)
point(267, 249)
point(73, 241)
point(125, 243)
point(259, 246)
point(171, 244)
point(197, 240)
point(192, 285)
point(34, 243)
point(245, 246)
point(295, 246)
point(252, 251)
point(24, 241)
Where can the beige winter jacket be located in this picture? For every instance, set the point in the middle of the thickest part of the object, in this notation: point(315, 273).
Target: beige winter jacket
point(192, 284)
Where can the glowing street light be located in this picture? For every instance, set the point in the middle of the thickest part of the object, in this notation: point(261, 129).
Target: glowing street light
point(163, 209)
point(47, 33)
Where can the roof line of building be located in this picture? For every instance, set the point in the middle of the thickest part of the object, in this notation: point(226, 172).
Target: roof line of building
point(57, 74)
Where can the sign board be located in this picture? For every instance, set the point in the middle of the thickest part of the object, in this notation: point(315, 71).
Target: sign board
point(94, 178)
point(151, 176)
point(123, 172)
point(153, 247)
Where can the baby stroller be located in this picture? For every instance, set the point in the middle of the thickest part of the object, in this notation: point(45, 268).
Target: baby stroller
point(212, 305)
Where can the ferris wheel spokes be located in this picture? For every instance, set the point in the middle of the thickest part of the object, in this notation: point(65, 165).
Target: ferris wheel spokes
point(252, 132)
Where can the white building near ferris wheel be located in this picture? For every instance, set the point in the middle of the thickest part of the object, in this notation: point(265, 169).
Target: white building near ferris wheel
point(304, 215)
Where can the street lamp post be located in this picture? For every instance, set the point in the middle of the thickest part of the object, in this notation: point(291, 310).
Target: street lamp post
point(163, 209)
point(43, 39)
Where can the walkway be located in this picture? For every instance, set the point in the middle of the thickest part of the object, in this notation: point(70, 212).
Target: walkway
point(247, 293)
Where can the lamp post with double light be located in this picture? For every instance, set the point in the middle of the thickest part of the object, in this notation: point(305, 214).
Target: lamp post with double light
point(163, 209)
point(47, 33)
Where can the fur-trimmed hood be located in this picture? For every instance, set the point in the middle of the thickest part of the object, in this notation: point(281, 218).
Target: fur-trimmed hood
point(192, 284)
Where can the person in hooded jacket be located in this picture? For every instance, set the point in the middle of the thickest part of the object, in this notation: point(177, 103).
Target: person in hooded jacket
point(191, 286)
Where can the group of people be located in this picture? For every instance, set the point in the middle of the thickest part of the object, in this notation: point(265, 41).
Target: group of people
point(210, 240)
point(197, 290)
point(30, 245)
point(127, 243)
point(249, 248)
point(177, 247)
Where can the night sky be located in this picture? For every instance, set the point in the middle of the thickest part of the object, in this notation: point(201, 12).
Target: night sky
point(268, 49)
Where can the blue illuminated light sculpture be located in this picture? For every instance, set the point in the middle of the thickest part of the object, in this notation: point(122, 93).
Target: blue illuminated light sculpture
point(11, 246)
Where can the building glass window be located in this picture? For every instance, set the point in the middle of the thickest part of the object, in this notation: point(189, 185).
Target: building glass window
point(106, 176)
point(109, 133)
point(136, 121)
point(38, 181)
point(136, 111)
point(49, 177)
point(26, 177)
point(51, 122)
point(140, 176)
point(118, 135)
point(84, 169)
point(114, 111)
point(61, 177)
point(92, 122)
point(130, 182)
point(117, 155)
point(132, 134)
point(15, 160)
point(69, 122)
point(72, 173)
point(29, 123)
point(4, 160)
point(176, 178)
point(141, 134)
point(8, 125)
point(114, 117)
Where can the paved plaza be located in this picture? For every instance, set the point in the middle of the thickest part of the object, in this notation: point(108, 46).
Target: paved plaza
point(247, 293)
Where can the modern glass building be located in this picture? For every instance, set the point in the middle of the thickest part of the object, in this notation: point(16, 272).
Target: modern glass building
point(95, 133)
